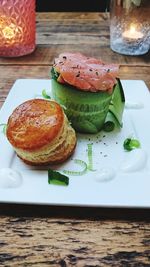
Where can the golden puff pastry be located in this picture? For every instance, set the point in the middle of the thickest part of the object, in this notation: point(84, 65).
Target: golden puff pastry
point(40, 133)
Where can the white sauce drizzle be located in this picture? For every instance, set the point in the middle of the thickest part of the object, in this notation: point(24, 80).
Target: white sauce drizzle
point(105, 174)
point(10, 178)
point(135, 160)
point(134, 105)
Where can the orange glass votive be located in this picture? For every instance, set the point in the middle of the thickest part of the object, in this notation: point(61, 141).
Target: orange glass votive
point(17, 27)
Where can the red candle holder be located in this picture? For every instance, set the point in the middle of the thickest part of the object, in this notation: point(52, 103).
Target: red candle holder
point(17, 27)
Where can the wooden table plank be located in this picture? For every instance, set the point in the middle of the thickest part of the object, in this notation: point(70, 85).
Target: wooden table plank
point(45, 54)
point(50, 241)
point(62, 16)
point(58, 236)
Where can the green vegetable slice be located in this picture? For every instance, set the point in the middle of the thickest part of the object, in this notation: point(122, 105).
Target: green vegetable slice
point(130, 144)
point(57, 178)
point(4, 125)
point(45, 95)
point(90, 157)
point(117, 102)
point(85, 110)
point(82, 164)
point(54, 74)
point(110, 122)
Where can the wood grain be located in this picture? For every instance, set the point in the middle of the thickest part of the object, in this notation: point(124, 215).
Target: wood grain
point(51, 242)
point(41, 236)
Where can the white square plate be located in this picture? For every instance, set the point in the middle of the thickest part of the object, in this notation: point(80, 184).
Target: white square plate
point(119, 179)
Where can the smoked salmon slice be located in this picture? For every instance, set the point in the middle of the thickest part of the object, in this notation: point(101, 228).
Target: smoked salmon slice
point(86, 73)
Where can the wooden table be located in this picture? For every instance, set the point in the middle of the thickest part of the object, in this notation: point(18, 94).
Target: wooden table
point(61, 236)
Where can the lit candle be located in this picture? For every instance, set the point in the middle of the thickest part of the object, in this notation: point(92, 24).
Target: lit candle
point(10, 32)
point(17, 28)
point(132, 34)
point(129, 26)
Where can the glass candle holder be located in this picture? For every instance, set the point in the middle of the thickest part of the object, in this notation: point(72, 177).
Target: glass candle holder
point(130, 26)
point(17, 27)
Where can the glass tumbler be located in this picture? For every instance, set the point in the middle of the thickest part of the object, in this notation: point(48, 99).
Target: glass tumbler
point(130, 26)
point(17, 27)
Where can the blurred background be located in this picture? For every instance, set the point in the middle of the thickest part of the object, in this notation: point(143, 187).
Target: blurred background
point(76, 5)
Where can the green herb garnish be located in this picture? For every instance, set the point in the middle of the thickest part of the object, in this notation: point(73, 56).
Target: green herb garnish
point(82, 164)
point(45, 95)
point(130, 144)
point(4, 125)
point(90, 157)
point(57, 178)
point(54, 74)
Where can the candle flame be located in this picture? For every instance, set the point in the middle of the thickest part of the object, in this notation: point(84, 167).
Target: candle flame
point(133, 33)
point(132, 29)
point(9, 32)
point(9, 29)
